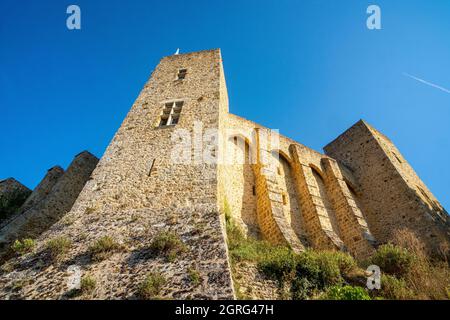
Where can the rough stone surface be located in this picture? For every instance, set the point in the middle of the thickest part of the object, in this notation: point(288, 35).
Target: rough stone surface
point(351, 198)
point(43, 189)
point(392, 195)
point(137, 192)
point(254, 285)
point(12, 195)
point(54, 205)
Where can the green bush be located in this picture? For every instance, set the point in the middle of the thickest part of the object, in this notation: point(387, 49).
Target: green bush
point(345, 261)
point(393, 260)
point(243, 248)
point(278, 264)
point(330, 272)
point(58, 246)
point(250, 250)
point(103, 248)
point(394, 289)
point(302, 288)
point(235, 236)
point(151, 287)
point(345, 293)
point(324, 268)
point(167, 244)
point(24, 246)
point(308, 271)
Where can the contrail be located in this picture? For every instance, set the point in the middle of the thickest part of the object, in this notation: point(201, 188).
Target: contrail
point(426, 82)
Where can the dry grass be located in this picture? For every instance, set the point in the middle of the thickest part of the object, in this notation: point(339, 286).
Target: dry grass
point(58, 247)
point(426, 278)
point(103, 248)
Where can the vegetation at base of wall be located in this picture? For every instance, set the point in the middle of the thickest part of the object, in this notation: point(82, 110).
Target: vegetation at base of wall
point(87, 285)
point(19, 284)
point(306, 274)
point(407, 271)
point(103, 248)
point(345, 293)
point(393, 260)
point(23, 246)
point(151, 287)
point(57, 247)
point(167, 244)
point(194, 276)
point(394, 289)
point(7, 267)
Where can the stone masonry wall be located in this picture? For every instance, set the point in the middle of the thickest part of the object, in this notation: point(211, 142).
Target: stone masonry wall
point(302, 197)
point(320, 229)
point(31, 223)
point(156, 180)
point(240, 186)
point(388, 187)
point(354, 229)
point(44, 188)
point(140, 190)
point(12, 196)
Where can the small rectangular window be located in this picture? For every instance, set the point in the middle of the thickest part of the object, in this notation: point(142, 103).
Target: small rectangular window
point(152, 165)
point(181, 74)
point(171, 113)
point(284, 198)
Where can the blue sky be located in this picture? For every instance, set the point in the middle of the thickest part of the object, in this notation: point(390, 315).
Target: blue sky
point(310, 68)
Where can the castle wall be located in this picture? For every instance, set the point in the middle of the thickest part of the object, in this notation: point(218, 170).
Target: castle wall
point(348, 213)
point(291, 208)
point(302, 199)
point(141, 188)
point(33, 222)
point(322, 231)
point(157, 178)
point(388, 187)
point(272, 213)
point(240, 186)
point(12, 196)
point(43, 189)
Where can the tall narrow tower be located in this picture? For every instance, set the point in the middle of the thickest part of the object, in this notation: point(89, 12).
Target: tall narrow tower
point(141, 191)
point(393, 195)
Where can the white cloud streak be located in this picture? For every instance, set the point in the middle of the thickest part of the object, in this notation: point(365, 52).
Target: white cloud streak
point(426, 82)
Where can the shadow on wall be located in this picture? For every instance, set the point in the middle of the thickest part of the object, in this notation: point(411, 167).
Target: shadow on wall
point(245, 188)
point(318, 176)
point(291, 206)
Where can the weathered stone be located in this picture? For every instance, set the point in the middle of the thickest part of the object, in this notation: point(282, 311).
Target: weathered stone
point(352, 198)
point(12, 195)
point(51, 206)
point(43, 188)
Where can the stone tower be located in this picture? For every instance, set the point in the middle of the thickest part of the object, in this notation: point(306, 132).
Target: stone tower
point(159, 180)
point(139, 191)
point(392, 194)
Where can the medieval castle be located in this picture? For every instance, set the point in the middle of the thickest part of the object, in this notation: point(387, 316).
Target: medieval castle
point(352, 197)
